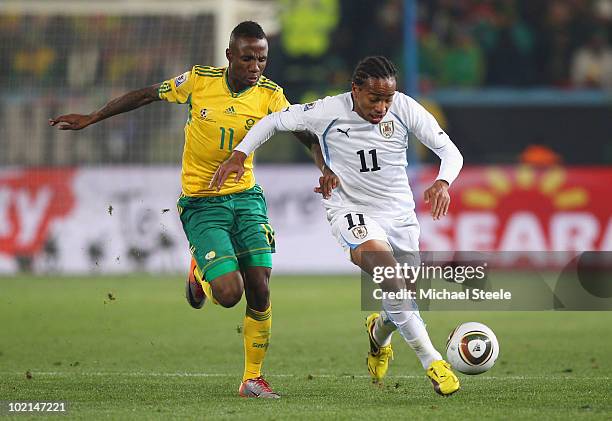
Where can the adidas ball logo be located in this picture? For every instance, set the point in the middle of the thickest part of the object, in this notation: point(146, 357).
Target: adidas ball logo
point(210, 255)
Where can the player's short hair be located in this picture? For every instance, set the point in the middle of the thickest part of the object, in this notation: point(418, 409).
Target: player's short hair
point(377, 67)
point(247, 29)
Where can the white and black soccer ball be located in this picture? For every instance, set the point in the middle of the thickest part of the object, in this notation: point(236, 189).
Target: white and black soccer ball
point(472, 348)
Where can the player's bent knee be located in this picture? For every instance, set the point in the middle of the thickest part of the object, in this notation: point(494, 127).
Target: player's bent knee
point(228, 289)
point(228, 301)
point(229, 298)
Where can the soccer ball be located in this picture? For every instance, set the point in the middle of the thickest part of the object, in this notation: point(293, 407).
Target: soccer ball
point(472, 348)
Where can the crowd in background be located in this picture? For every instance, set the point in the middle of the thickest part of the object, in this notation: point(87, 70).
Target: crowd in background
point(51, 64)
point(75, 52)
point(564, 43)
point(462, 43)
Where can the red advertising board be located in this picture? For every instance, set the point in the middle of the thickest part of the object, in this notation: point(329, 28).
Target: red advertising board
point(522, 208)
point(61, 220)
point(30, 200)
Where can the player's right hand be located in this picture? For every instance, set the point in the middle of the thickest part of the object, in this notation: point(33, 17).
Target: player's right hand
point(234, 164)
point(327, 182)
point(439, 198)
point(71, 121)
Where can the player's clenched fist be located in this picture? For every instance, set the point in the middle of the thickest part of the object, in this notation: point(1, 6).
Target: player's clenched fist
point(437, 195)
point(71, 121)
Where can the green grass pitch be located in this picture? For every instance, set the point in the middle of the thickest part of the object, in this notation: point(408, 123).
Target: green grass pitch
point(146, 354)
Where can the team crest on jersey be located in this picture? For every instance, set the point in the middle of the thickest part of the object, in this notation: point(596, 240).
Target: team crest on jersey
point(360, 232)
point(203, 113)
point(386, 128)
point(178, 81)
point(249, 124)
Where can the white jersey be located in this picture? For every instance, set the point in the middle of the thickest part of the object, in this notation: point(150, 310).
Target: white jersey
point(369, 159)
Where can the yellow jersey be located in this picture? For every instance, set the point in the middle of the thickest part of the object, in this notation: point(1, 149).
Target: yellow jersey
point(218, 121)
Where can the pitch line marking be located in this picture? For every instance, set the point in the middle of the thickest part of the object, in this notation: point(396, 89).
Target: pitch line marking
point(343, 376)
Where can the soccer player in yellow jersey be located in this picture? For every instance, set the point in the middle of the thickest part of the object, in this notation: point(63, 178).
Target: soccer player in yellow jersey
point(229, 236)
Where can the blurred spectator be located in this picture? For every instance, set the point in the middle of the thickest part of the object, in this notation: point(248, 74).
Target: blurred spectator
point(431, 56)
point(82, 66)
point(307, 26)
point(462, 63)
point(592, 64)
point(33, 62)
point(603, 10)
point(510, 58)
point(555, 45)
point(10, 34)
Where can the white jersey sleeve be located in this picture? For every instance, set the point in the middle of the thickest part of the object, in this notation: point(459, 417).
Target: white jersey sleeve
point(295, 118)
point(428, 131)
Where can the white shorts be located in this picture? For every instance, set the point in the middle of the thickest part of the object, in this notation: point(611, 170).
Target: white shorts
point(352, 228)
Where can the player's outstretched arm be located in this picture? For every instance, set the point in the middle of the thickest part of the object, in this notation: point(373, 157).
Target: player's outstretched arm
point(122, 104)
point(235, 164)
point(291, 120)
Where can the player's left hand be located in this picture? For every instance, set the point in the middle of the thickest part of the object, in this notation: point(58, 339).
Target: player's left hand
point(327, 182)
point(234, 164)
point(439, 198)
point(71, 121)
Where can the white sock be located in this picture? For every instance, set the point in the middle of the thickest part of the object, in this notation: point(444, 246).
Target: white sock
point(383, 329)
point(412, 328)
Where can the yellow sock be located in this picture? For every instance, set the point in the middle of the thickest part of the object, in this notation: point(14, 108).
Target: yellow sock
point(205, 285)
point(256, 331)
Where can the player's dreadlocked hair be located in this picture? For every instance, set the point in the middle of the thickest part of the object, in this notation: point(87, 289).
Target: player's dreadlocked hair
point(377, 67)
point(248, 29)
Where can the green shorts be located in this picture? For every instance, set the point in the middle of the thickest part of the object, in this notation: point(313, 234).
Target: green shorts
point(227, 233)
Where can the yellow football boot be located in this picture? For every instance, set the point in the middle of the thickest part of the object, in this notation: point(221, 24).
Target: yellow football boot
point(378, 356)
point(444, 381)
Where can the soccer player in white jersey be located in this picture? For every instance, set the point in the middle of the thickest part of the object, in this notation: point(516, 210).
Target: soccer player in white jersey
point(364, 136)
